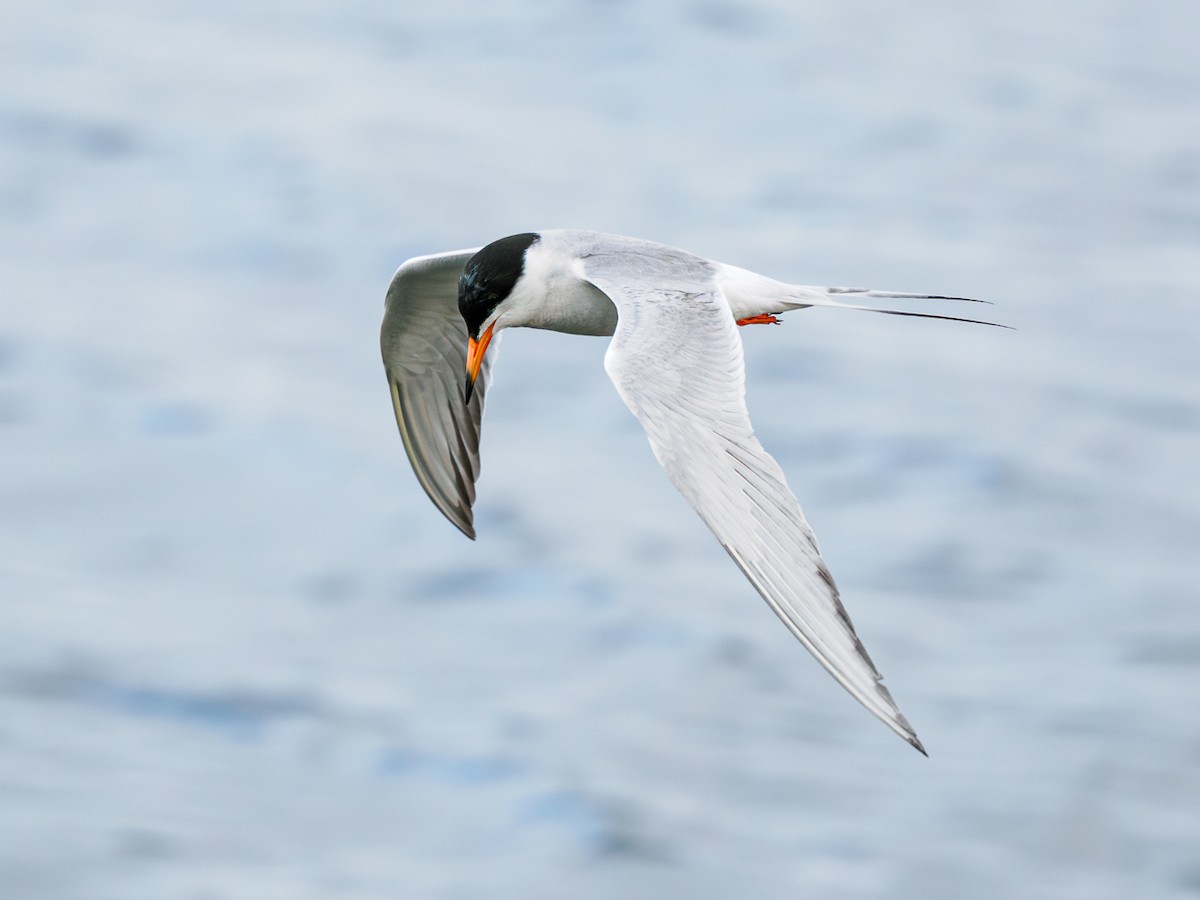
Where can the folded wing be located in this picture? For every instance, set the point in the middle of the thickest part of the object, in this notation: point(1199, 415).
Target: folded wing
point(424, 343)
point(676, 361)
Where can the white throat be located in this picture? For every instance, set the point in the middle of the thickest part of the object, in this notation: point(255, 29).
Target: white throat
point(553, 294)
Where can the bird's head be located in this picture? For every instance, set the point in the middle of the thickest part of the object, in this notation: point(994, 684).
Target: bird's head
point(485, 285)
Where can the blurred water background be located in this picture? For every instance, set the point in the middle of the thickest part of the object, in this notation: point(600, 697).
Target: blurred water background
point(242, 656)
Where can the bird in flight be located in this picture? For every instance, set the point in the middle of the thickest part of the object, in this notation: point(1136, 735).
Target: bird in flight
point(676, 360)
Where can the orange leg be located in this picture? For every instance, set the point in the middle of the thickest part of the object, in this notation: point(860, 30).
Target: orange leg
point(764, 319)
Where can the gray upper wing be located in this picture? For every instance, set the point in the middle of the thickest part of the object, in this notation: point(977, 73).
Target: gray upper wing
point(676, 361)
point(424, 343)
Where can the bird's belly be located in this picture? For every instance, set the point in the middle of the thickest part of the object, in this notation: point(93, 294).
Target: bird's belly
point(750, 294)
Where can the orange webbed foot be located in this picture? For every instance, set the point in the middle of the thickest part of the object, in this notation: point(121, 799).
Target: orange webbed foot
point(763, 319)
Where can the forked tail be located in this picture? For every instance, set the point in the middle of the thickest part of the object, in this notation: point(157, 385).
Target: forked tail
point(804, 295)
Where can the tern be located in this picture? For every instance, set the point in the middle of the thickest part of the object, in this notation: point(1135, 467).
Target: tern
point(676, 360)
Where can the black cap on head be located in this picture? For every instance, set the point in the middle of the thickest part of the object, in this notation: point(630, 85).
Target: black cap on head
point(489, 277)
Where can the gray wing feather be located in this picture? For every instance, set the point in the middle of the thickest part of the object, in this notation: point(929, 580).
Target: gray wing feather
point(424, 343)
point(676, 361)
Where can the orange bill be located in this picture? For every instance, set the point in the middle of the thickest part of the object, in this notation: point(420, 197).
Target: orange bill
point(475, 351)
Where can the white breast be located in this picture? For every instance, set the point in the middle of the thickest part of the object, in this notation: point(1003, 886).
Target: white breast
point(552, 293)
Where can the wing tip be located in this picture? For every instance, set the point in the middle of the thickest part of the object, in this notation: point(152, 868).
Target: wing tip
point(465, 527)
point(915, 741)
point(892, 717)
point(458, 514)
